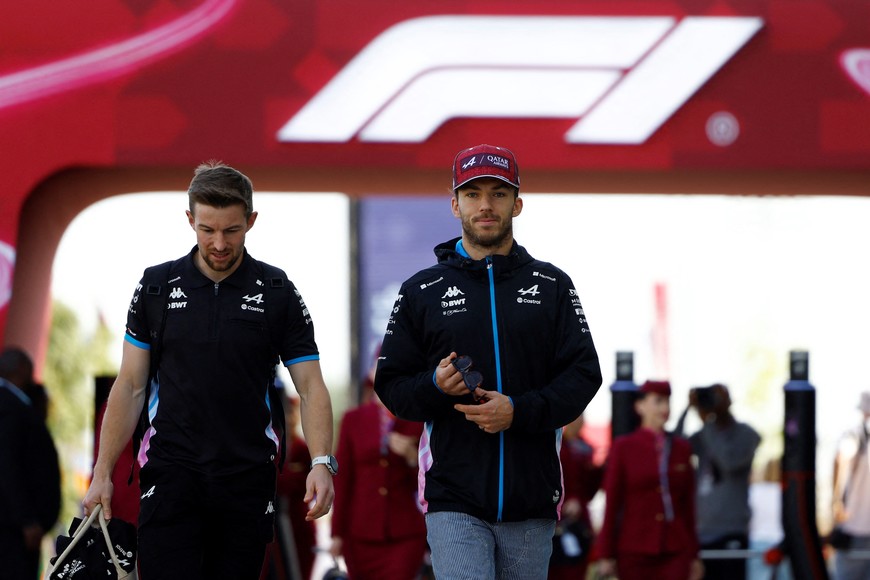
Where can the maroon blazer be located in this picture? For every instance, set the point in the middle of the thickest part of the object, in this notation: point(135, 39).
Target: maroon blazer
point(375, 489)
point(634, 515)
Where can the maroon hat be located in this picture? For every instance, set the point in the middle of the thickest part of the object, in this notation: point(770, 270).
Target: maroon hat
point(485, 161)
point(662, 388)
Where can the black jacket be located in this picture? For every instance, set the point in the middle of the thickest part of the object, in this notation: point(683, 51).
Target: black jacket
point(522, 323)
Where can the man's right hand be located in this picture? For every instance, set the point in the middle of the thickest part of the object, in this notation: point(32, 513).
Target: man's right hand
point(100, 492)
point(449, 379)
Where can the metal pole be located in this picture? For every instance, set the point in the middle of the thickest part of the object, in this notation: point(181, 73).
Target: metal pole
point(623, 392)
point(802, 543)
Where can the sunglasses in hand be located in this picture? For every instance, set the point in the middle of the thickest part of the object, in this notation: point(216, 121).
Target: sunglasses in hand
point(472, 379)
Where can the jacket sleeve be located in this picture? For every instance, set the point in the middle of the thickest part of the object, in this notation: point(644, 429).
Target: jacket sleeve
point(688, 511)
point(577, 373)
point(614, 491)
point(15, 431)
point(405, 381)
point(344, 453)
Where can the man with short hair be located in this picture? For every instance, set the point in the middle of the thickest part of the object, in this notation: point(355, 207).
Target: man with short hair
point(491, 349)
point(213, 324)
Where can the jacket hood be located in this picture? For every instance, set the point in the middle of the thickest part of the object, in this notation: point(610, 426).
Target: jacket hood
point(451, 253)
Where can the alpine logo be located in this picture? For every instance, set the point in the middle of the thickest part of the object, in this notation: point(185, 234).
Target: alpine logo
point(258, 298)
point(177, 293)
point(621, 77)
point(453, 292)
point(531, 291)
point(149, 493)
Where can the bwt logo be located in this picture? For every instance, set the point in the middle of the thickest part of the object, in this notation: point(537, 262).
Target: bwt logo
point(621, 77)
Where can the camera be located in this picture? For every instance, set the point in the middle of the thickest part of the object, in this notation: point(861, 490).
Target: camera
point(706, 397)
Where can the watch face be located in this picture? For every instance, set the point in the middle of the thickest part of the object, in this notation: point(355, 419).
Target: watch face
point(329, 461)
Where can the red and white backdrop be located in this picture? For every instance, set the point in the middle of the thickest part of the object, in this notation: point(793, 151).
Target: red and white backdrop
point(376, 96)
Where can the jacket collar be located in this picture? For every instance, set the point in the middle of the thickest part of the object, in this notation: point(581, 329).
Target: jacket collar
point(198, 279)
point(452, 253)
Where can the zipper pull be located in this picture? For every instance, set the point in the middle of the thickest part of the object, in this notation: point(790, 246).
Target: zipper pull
point(216, 286)
point(489, 262)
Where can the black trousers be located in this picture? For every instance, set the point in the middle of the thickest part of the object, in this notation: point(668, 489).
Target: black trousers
point(726, 568)
point(197, 527)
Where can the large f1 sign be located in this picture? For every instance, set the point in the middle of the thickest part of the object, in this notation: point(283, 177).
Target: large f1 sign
point(623, 77)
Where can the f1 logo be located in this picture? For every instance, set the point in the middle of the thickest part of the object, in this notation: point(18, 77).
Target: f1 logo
point(623, 77)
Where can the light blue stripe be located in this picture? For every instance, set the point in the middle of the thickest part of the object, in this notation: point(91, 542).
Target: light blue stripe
point(302, 359)
point(489, 267)
point(154, 400)
point(139, 343)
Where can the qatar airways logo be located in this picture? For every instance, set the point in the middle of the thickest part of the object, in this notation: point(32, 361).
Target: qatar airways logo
point(7, 267)
point(620, 77)
point(856, 63)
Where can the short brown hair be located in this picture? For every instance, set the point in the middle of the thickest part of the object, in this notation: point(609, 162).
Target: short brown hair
point(218, 185)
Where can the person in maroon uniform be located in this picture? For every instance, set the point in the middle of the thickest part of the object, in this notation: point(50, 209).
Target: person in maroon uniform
point(649, 517)
point(377, 524)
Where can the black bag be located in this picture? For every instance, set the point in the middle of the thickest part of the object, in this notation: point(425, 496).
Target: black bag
point(95, 551)
point(840, 539)
point(571, 543)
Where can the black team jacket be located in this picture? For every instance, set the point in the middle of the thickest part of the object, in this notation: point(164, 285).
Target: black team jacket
point(522, 323)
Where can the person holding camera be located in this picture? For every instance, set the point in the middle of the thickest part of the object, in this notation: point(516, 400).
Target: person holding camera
point(725, 449)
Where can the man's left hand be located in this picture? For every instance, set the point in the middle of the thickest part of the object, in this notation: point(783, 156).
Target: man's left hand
point(319, 487)
point(493, 414)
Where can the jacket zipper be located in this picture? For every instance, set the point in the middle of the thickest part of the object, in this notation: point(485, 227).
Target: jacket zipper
point(214, 311)
point(498, 385)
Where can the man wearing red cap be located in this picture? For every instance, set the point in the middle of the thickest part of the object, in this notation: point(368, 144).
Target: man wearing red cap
point(491, 349)
point(649, 482)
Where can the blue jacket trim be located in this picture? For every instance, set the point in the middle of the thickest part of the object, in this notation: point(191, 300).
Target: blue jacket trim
point(302, 359)
point(138, 343)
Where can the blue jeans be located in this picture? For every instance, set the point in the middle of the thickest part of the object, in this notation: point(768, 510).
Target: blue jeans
point(466, 548)
point(847, 567)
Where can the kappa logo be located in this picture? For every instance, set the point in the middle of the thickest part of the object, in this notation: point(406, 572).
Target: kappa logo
point(270, 509)
point(177, 293)
point(453, 292)
point(621, 77)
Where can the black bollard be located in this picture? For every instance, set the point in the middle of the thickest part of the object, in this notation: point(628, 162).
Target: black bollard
point(801, 543)
point(623, 391)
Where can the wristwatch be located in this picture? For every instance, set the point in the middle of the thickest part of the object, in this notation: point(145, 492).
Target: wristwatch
point(329, 461)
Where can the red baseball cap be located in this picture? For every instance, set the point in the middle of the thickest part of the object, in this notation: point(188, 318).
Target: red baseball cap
point(662, 388)
point(485, 161)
